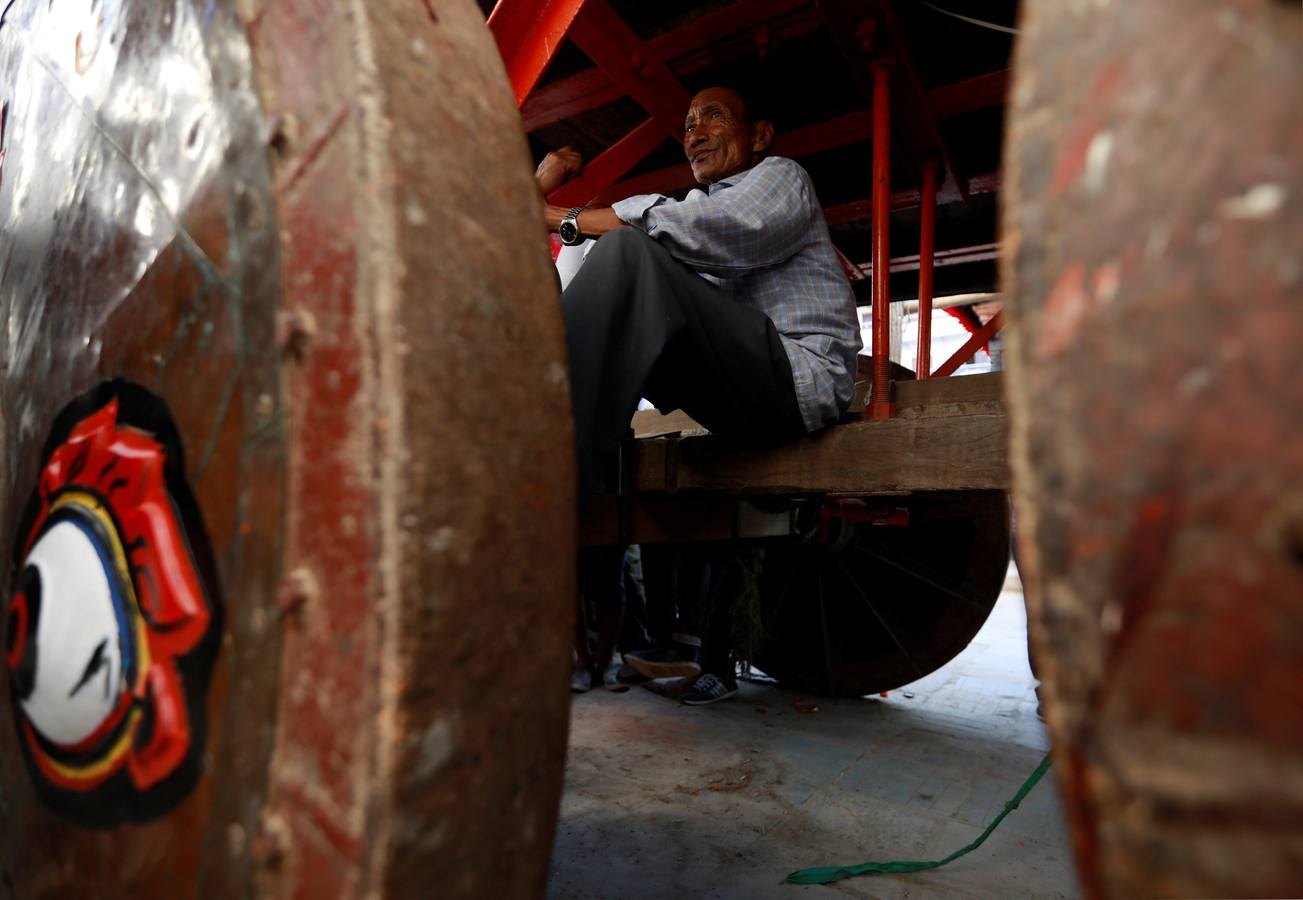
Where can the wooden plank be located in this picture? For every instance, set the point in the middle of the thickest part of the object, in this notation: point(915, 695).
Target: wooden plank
point(965, 395)
point(945, 453)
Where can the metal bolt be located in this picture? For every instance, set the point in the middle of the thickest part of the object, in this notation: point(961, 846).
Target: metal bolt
point(867, 35)
point(270, 844)
point(295, 329)
point(298, 587)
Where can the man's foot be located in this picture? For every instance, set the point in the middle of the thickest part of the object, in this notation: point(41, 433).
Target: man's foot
point(709, 689)
point(581, 681)
point(611, 679)
point(668, 661)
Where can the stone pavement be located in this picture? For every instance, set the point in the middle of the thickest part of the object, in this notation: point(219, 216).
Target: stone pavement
point(664, 800)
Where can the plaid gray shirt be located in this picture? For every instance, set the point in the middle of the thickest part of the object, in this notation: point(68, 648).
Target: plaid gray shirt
point(760, 235)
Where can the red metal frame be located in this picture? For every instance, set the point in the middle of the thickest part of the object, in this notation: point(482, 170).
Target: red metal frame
point(940, 259)
point(926, 241)
point(858, 210)
point(979, 92)
point(715, 37)
point(974, 343)
point(632, 64)
point(854, 509)
point(880, 406)
point(529, 34)
point(601, 172)
point(838, 132)
point(918, 127)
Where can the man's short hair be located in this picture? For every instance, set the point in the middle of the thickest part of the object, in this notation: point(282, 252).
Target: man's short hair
point(755, 102)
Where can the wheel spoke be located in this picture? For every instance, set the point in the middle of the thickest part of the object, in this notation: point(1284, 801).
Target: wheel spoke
point(895, 639)
point(827, 637)
point(922, 572)
point(782, 598)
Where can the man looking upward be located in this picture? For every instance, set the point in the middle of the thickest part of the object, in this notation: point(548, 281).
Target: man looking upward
point(729, 305)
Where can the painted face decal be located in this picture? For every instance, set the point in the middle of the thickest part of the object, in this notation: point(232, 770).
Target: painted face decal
point(113, 619)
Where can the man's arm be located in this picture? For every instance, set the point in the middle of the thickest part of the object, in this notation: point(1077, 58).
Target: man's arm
point(556, 169)
point(761, 221)
point(592, 222)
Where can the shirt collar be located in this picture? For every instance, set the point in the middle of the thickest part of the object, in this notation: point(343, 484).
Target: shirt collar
point(730, 180)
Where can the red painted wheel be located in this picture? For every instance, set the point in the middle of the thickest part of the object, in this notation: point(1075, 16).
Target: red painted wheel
point(279, 370)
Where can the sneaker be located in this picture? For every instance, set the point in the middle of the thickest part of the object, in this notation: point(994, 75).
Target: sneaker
point(667, 661)
point(611, 679)
point(709, 689)
point(581, 681)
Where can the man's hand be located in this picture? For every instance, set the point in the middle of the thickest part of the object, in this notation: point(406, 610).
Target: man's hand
point(557, 168)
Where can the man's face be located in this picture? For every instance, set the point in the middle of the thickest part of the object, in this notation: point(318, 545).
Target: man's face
point(719, 137)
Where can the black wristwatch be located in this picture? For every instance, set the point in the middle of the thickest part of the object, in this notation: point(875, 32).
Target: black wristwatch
point(569, 227)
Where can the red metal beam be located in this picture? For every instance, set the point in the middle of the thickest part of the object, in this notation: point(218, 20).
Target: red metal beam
point(974, 343)
point(981, 92)
point(861, 29)
point(926, 239)
point(610, 165)
point(529, 33)
point(848, 129)
point(956, 256)
point(631, 64)
point(881, 407)
point(921, 122)
point(715, 37)
point(859, 210)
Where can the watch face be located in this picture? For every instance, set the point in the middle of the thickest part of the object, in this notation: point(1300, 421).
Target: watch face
point(569, 232)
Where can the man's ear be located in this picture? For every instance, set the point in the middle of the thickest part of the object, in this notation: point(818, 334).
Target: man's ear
point(764, 136)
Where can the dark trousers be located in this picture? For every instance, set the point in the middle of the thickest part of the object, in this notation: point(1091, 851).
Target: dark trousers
point(641, 324)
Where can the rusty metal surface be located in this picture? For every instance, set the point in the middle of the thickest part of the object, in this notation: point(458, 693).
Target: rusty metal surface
point(1154, 219)
point(303, 229)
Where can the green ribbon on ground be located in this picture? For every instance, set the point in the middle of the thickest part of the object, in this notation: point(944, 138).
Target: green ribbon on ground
point(829, 874)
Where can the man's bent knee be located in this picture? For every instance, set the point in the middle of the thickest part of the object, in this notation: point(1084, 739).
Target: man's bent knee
point(627, 243)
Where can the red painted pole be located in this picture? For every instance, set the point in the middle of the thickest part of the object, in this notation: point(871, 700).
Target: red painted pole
point(880, 406)
point(926, 242)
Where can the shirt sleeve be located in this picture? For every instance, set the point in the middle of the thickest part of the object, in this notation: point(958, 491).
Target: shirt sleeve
point(761, 221)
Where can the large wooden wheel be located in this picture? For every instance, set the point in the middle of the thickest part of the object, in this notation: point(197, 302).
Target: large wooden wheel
point(1153, 218)
point(259, 637)
point(872, 607)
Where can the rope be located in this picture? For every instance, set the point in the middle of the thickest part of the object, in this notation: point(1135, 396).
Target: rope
point(829, 874)
point(978, 22)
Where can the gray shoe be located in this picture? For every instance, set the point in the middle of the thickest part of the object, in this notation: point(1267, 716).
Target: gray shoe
point(581, 681)
point(611, 679)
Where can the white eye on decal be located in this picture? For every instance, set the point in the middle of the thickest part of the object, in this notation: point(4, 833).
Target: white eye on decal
point(75, 669)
